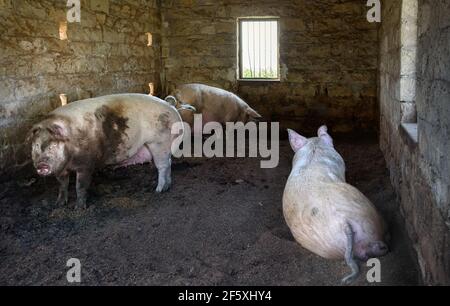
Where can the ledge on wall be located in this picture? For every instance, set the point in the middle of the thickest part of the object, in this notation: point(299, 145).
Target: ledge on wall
point(410, 131)
point(259, 81)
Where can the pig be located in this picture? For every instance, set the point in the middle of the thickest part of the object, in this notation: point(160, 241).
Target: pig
point(121, 130)
point(215, 104)
point(326, 215)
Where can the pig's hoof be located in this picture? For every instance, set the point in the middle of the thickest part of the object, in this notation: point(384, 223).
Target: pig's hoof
point(81, 205)
point(348, 280)
point(162, 187)
point(62, 202)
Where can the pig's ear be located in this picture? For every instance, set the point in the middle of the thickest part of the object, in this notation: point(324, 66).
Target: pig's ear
point(297, 141)
point(171, 100)
point(59, 130)
point(323, 135)
point(253, 114)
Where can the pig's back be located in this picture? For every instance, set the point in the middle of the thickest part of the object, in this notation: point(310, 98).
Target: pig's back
point(209, 94)
point(135, 108)
point(316, 213)
point(216, 104)
point(130, 102)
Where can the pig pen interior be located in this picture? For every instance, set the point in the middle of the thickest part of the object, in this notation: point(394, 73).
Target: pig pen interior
point(221, 224)
point(376, 85)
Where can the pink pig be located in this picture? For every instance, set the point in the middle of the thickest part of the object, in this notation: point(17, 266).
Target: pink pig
point(215, 104)
point(325, 214)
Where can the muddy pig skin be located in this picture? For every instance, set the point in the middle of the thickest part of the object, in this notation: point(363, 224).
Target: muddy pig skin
point(121, 130)
point(215, 104)
point(325, 214)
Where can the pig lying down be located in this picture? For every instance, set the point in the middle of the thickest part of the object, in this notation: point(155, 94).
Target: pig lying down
point(121, 130)
point(325, 214)
point(215, 104)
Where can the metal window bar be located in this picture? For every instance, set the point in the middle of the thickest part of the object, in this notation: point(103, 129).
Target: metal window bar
point(258, 48)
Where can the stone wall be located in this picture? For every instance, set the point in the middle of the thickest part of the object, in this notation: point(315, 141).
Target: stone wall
point(419, 171)
point(106, 53)
point(328, 58)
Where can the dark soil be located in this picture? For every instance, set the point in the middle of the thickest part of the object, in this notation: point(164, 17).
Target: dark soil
point(220, 224)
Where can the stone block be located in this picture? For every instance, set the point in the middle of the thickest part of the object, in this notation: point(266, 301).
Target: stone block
point(100, 6)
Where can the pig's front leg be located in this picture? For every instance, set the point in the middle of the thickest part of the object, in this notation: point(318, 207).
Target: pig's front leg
point(63, 195)
point(84, 178)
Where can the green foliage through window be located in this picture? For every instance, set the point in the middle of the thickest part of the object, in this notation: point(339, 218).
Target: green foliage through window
point(263, 74)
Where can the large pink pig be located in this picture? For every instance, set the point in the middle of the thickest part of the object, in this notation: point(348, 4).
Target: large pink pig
point(121, 130)
point(215, 104)
point(325, 214)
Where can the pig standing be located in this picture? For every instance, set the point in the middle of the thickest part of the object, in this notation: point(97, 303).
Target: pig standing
point(123, 129)
point(215, 104)
point(325, 214)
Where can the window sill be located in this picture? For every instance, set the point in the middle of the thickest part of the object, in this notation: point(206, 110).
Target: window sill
point(259, 80)
point(411, 133)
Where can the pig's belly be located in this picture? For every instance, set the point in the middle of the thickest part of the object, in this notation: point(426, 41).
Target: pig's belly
point(142, 156)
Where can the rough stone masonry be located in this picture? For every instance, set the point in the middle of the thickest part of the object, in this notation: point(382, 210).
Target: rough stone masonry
point(328, 59)
point(419, 171)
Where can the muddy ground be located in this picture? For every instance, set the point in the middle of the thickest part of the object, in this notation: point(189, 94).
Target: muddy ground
point(220, 224)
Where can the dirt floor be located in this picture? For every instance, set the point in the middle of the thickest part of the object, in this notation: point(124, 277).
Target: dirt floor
point(220, 224)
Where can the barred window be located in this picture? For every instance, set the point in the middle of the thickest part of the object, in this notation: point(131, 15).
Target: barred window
point(258, 48)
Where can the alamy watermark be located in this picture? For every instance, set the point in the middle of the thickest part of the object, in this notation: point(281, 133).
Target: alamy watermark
point(229, 143)
point(74, 273)
point(74, 12)
point(374, 273)
point(374, 13)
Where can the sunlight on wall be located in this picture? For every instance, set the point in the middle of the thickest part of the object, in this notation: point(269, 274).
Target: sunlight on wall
point(63, 30)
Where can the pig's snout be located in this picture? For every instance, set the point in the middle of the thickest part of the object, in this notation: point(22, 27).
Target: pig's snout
point(43, 168)
point(373, 249)
point(377, 249)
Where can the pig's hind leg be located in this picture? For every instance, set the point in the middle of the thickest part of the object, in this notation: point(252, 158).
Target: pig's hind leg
point(351, 262)
point(162, 159)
